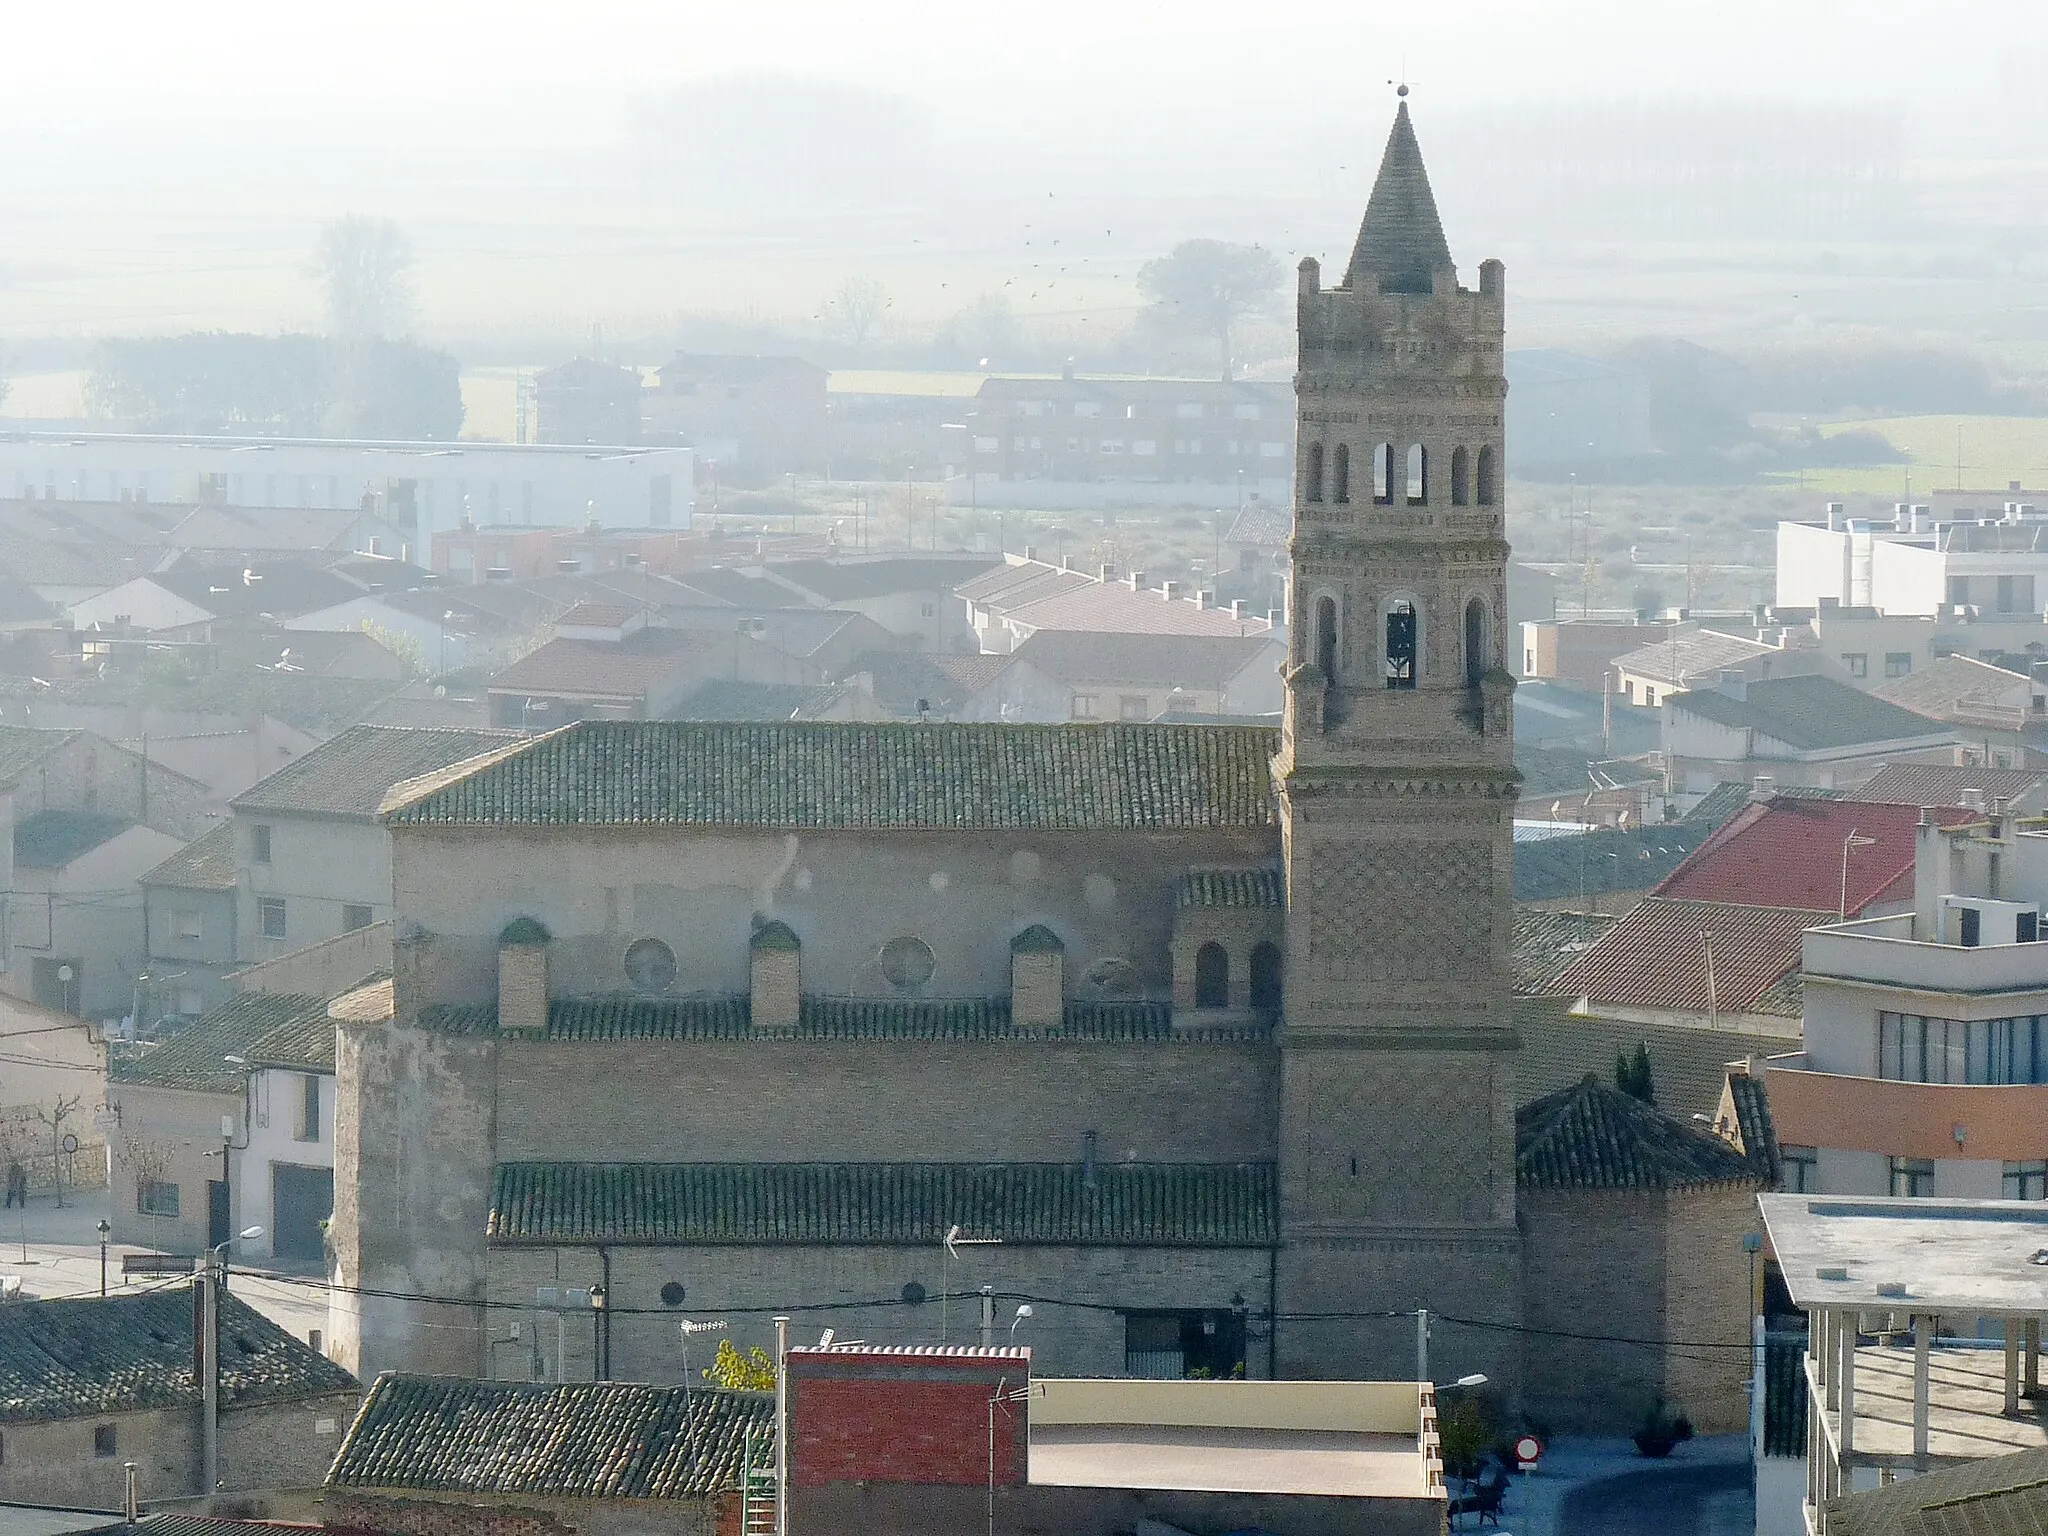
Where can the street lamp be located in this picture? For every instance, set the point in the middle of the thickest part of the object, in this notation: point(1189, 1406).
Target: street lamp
point(1023, 1312)
point(219, 1251)
point(1476, 1379)
point(105, 1231)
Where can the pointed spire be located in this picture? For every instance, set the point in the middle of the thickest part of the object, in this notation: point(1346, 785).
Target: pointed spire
point(1401, 244)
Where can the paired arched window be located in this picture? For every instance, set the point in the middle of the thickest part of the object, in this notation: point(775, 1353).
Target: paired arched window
point(1341, 490)
point(1326, 637)
point(1418, 475)
point(1402, 660)
point(1489, 478)
point(1314, 491)
point(1383, 475)
point(1212, 976)
point(1265, 975)
point(1461, 478)
point(1478, 645)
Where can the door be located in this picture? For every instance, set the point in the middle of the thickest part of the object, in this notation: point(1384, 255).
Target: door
point(217, 1231)
point(300, 1200)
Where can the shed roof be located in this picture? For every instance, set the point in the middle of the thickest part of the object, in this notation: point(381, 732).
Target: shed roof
point(591, 1440)
point(1592, 1136)
point(887, 1204)
point(1994, 1496)
point(52, 839)
point(847, 775)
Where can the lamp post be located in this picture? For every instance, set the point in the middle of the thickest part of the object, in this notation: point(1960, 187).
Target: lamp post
point(105, 1231)
point(212, 1280)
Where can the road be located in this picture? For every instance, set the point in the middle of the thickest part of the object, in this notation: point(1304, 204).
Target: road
point(1672, 1500)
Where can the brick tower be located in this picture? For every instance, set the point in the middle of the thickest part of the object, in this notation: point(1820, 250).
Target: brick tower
point(1397, 786)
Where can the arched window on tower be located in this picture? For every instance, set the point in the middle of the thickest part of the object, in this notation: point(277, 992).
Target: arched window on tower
point(1212, 976)
point(1488, 487)
point(1314, 491)
point(1401, 657)
point(1265, 975)
point(1383, 475)
point(1340, 490)
point(1418, 475)
point(1478, 650)
point(1461, 478)
point(1326, 637)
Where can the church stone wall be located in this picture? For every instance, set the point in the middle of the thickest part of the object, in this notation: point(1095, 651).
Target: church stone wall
point(886, 1101)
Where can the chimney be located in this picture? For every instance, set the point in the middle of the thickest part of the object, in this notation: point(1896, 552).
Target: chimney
point(1732, 684)
point(1038, 979)
point(1068, 563)
point(1108, 573)
point(523, 978)
point(1170, 590)
point(1760, 789)
point(2013, 486)
point(1135, 581)
point(1205, 598)
point(131, 1494)
point(774, 977)
point(1237, 608)
point(1971, 799)
point(1273, 617)
point(1834, 517)
point(1030, 551)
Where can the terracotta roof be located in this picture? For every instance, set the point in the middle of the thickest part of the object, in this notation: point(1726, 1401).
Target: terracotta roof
point(1593, 1136)
point(284, 589)
point(1754, 1133)
point(887, 1204)
point(81, 1356)
point(829, 774)
point(1656, 957)
point(1811, 714)
point(205, 865)
point(1019, 581)
point(1688, 1063)
point(589, 615)
point(350, 775)
point(628, 668)
point(1796, 853)
point(590, 1440)
point(1267, 527)
point(1938, 784)
point(1994, 1496)
point(1205, 662)
point(1401, 243)
point(193, 1058)
point(972, 673)
point(1230, 888)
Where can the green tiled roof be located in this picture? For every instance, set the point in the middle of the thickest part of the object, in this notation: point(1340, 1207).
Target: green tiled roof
point(839, 774)
point(626, 1016)
point(592, 1440)
point(1592, 1136)
point(1062, 1204)
point(205, 865)
point(1811, 714)
point(116, 1354)
point(1229, 888)
point(52, 839)
point(194, 1058)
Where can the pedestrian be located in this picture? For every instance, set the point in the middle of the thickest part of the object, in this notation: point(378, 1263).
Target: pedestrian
point(17, 1186)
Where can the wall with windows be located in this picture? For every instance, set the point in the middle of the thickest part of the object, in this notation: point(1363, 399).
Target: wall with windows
point(291, 1125)
point(323, 876)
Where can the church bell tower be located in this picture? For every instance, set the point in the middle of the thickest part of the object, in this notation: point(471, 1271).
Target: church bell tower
point(1397, 788)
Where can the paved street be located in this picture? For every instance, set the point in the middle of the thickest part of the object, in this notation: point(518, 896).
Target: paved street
point(57, 1253)
point(1669, 1500)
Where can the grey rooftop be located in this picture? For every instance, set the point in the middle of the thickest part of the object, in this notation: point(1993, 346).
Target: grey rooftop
point(1968, 1257)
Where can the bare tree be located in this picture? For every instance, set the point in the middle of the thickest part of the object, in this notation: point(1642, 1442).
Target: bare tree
point(365, 266)
point(856, 311)
point(52, 1116)
point(1206, 286)
point(147, 1161)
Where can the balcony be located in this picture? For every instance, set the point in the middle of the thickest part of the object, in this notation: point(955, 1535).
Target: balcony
point(2003, 1122)
point(1883, 950)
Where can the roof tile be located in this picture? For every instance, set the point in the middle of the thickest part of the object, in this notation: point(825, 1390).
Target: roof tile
point(350, 775)
point(1656, 957)
point(1591, 1136)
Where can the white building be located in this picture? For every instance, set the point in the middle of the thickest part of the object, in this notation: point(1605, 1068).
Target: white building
point(1989, 565)
point(425, 488)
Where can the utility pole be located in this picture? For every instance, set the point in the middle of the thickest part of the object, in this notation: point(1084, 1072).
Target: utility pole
point(988, 1317)
point(782, 1426)
point(1422, 1344)
point(209, 1377)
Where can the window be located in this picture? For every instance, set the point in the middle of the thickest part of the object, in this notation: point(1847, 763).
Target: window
point(1959, 591)
point(1265, 975)
point(2025, 1181)
point(2015, 594)
point(154, 1197)
point(262, 835)
point(1800, 1169)
point(1476, 658)
point(1461, 478)
point(1912, 1177)
point(354, 915)
point(1212, 976)
point(189, 925)
point(1083, 707)
point(907, 963)
point(105, 1441)
point(989, 445)
point(1897, 663)
point(1913, 1049)
point(270, 916)
point(1856, 663)
point(1313, 490)
point(1418, 475)
point(1488, 478)
point(1326, 637)
point(927, 611)
point(1401, 646)
point(309, 1108)
point(1133, 706)
point(1383, 475)
point(1341, 490)
point(1144, 447)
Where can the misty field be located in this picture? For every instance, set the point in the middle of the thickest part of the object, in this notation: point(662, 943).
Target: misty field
point(1994, 451)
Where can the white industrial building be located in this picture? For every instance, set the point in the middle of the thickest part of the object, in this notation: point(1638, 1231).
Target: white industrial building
point(1987, 565)
point(423, 488)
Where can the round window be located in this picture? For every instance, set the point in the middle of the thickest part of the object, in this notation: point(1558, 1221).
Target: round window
point(650, 966)
point(907, 964)
point(672, 1293)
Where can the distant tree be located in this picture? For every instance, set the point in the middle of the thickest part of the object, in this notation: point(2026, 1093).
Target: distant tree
point(365, 271)
point(856, 311)
point(1207, 286)
point(985, 332)
point(1632, 1073)
point(395, 389)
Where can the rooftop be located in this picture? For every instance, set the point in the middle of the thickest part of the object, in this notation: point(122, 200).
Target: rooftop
point(724, 698)
point(205, 865)
point(1691, 654)
point(52, 839)
point(593, 1440)
point(1994, 1496)
point(1811, 714)
point(1961, 688)
point(1796, 852)
point(1592, 1136)
point(1401, 244)
point(350, 775)
point(1939, 784)
point(1197, 662)
point(1966, 1257)
point(842, 581)
point(846, 775)
point(886, 1204)
point(281, 588)
point(1688, 1064)
point(626, 668)
point(282, 1029)
point(117, 1354)
point(1695, 957)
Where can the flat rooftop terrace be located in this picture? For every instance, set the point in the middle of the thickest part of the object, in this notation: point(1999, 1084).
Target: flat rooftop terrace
point(1966, 1416)
point(1972, 1258)
point(1219, 1459)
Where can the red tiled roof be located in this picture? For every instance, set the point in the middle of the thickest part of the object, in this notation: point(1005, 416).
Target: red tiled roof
point(1656, 957)
point(1789, 853)
point(645, 660)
